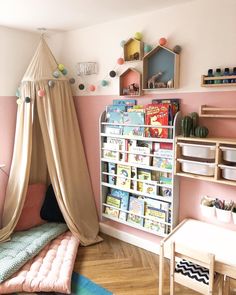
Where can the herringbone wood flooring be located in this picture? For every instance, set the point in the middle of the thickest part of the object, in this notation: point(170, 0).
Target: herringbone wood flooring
point(123, 269)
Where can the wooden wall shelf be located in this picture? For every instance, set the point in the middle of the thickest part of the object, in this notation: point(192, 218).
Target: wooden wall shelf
point(206, 79)
point(133, 50)
point(160, 60)
point(217, 145)
point(130, 83)
point(217, 112)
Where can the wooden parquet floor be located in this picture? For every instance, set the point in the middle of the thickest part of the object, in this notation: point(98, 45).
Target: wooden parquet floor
point(123, 268)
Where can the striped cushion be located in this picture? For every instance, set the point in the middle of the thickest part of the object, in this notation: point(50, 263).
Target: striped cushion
point(193, 271)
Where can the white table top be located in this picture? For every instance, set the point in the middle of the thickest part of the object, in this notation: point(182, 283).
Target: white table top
point(205, 237)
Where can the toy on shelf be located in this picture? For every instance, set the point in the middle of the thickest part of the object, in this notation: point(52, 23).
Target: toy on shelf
point(191, 128)
point(130, 82)
point(153, 80)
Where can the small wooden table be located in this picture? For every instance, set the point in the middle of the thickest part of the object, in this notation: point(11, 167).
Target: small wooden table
point(204, 237)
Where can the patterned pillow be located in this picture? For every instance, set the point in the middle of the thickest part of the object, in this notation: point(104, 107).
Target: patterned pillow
point(193, 271)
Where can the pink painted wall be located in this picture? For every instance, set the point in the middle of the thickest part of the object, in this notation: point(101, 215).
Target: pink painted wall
point(7, 134)
point(89, 109)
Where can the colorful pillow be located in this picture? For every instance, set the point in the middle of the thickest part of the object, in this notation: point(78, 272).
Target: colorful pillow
point(30, 215)
point(50, 210)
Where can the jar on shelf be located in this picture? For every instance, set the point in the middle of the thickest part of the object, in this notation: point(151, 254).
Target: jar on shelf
point(233, 74)
point(226, 73)
point(218, 74)
point(210, 74)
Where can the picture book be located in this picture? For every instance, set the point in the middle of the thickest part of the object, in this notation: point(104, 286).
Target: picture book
point(137, 108)
point(120, 143)
point(163, 163)
point(139, 155)
point(165, 178)
point(147, 144)
point(134, 172)
point(115, 108)
point(124, 102)
point(112, 170)
point(110, 151)
point(165, 191)
point(114, 202)
point(123, 176)
point(136, 208)
point(156, 115)
point(153, 224)
point(114, 130)
point(130, 143)
point(143, 174)
point(164, 153)
point(114, 117)
point(133, 118)
point(124, 196)
point(149, 188)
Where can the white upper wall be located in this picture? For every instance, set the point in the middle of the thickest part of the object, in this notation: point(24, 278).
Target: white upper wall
point(16, 50)
point(205, 29)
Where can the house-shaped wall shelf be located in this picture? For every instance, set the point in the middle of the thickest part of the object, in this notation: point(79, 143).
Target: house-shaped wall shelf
point(133, 50)
point(130, 83)
point(160, 69)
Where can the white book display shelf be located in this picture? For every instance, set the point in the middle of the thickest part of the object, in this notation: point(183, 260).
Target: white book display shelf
point(150, 188)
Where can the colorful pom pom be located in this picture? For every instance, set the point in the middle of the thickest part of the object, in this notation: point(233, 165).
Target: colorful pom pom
point(122, 43)
point(162, 41)
point(61, 67)
point(27, 99)
point(120, 61)
point(138, 36)
point(112, 74)
point(64, 72)
point(81, 87)
point(41, 92)
point(147, 48)
point(19, 101)
point(91, 87)
point(177, 49)
point(56, 74)
point(18, 92)
point(104, 83)
point(72, 80)
point(51, 83)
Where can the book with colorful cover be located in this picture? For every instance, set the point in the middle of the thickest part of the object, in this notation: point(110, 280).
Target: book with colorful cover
point(124, 102)
point(114, 202)
point(112, 170)
point(139, 155)
point(133, 118)
point(147, 144)
point(157, 116)
point(124, 196)
point(134, 175)
point(110, 151)
point(136, 208)
point(121, 144)
point(156, 217)
point(113, 130)
point(165, 178)
point(143, 174)
point(149, 188)
point(163, 163)
point(123, 176)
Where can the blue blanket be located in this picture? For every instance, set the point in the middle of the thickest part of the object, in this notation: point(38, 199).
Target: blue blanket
point(25, 245)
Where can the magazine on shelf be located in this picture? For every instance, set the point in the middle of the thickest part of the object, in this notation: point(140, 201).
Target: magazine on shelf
point(124, 196)
point(133, 118)
point(139, 155)
point(123, 176)
point(136, 208)
point(112, 170)
point(157, 116)
point(114, 202)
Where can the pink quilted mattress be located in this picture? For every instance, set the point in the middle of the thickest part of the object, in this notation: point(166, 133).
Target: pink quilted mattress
point(49, 271)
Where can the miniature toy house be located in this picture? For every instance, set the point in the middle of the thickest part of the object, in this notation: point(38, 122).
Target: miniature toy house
point(160, 69)
point(133, 50)
point(130, 82)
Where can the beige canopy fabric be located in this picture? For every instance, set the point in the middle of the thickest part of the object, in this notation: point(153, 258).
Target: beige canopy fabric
point(48, 145)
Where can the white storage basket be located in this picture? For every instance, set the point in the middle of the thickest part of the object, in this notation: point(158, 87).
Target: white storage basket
point(229, 153)
point(207, 211)
point(228, 172)
point(223, 215)
point(198, 150)
point(200, 168)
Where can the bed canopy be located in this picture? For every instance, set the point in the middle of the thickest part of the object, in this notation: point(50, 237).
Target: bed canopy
point(48, 146)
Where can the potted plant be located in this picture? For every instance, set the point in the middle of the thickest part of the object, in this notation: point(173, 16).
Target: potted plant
point(223, 210)
point(207, 207)
point(234, 213)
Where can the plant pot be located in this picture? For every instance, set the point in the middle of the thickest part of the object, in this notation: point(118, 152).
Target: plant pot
point(223, 215)
point(207, 211)
point(234, 217)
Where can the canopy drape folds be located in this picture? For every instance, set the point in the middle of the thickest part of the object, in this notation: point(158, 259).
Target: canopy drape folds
point(48, 140)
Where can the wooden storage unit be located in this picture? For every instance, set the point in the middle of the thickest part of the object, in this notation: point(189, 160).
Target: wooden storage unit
point(218, 160)
point(130, 83)
point(205, 79)
point(165, 193)
point(133, 50)
point(160, 69)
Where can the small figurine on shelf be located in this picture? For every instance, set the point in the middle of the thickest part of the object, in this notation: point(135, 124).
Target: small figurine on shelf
point(134, 56)
point(160, 85)
point(170, 83)
point(153, 80)
point(218, 74)
point(133, 89)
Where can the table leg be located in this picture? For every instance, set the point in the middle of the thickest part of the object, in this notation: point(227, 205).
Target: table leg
point(227, 286)
point(161, 269)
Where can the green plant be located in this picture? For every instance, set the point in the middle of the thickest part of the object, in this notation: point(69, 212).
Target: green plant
point(195, 119)
point(201, 131)
point(186, 125)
